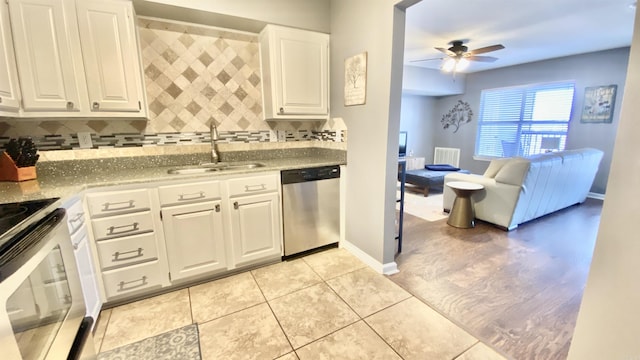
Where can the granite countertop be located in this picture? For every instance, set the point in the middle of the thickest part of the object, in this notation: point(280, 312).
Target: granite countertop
point(67, 179)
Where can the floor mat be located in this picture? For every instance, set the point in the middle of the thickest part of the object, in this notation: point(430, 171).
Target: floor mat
point(428, 208)
point(175, 344)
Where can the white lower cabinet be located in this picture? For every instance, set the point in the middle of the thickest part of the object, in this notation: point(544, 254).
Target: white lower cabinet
point(255, 228)
point(194, 238)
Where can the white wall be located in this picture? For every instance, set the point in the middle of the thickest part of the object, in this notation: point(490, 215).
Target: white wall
point(608, 325)
point(421, 81)
point(372, 149)
point(416, 118)
point(247, 15)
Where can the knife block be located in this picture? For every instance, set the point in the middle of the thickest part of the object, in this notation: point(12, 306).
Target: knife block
point(10, 172)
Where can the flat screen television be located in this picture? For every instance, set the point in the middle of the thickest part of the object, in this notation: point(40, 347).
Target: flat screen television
point(402, 144)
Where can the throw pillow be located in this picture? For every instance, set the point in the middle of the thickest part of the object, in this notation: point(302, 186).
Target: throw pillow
point(513, 172)
point(441, 167)
point(494, 166)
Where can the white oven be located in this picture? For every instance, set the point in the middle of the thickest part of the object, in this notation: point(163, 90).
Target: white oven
point(42, 310)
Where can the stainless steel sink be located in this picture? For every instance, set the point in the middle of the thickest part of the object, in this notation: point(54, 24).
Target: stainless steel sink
point(213, 167)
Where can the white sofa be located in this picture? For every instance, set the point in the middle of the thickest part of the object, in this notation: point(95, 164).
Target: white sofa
point(518, 189)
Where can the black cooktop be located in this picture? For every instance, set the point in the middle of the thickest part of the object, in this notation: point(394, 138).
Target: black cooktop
point(20, 214)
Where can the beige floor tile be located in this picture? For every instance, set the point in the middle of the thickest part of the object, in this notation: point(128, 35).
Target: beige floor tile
point(100, 328)
point(480, 351)
point(334, 262)
point(289, 356)
point(354, 342)
point(252, 333)
point(416, 331)
point(145, 318)
point(311, 313)
point(284, 278)
point(224, 296)
point(366, 291)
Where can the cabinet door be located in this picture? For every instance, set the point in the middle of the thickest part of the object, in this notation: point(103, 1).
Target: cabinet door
point(9, 98)
point(301, 72)
point(110, 53)
point(87, 272)
point(194, 238)
point(44, 44)
point(256, 228)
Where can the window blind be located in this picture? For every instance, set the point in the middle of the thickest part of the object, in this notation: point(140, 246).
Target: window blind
point(524, 120)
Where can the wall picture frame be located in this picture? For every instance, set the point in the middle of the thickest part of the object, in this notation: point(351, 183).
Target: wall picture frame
point(599, 102)
point(355, 80)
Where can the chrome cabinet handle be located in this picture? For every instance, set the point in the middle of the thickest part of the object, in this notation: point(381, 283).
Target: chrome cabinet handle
point(0, 99)
point(122, 205)
point(69, 105)
point(60, 269)
point(260, 187)
point(136, 253)
point(236, 205)
point(281, 110)
point(96, 105)
point(192, 196)
point(79, 216)
point(122, 229)
point(217, 207)
point(122, 284)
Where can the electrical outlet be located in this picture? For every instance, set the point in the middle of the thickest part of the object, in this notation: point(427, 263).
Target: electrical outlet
point(84, 140)
point(282, 135)
point(273, 137)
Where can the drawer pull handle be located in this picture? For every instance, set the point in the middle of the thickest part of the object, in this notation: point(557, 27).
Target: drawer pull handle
point(79, 217)
point(67, 299)
point(122, 205)
point(116, 230)
point(60, 269)
point(122, 284)
point(236, 205)
point(192, 196)
point(217, 207)
point(249, 188)
point(117, 256)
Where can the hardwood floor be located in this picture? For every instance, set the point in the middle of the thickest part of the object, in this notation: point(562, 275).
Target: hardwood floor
point(518, 291)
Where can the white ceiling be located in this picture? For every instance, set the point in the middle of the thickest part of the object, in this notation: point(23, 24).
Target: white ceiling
point(529, 30)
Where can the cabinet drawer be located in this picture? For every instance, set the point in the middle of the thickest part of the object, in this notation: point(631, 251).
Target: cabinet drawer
point(128, 250)
point(122, 225)
point(186, 193)
point(132, 278)
point(75, 216)
point(253, 185)
point(118, 202)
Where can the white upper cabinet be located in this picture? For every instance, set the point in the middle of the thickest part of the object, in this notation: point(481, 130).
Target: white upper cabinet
point(9, 92)
point(109, 49)
point(77, 58)
point(43, 45)
point(295, 71)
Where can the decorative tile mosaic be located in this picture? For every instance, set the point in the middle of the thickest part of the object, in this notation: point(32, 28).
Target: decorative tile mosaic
point(194, 74)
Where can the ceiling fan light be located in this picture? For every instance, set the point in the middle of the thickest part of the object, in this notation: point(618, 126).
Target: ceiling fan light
point(448, 65)
point(462, 64)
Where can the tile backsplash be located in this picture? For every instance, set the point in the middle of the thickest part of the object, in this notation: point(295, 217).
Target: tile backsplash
point(193, 75)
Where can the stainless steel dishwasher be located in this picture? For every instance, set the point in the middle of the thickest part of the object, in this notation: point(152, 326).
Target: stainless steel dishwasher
point(310, 208)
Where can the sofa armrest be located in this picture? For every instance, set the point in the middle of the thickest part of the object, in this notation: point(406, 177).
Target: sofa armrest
point(495, 203)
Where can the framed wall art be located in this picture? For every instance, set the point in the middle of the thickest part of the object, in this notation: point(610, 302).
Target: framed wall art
point(355, 80)
point(599, 102)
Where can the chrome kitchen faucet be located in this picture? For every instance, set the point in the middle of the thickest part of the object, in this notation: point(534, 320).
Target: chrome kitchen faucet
point(214, 142)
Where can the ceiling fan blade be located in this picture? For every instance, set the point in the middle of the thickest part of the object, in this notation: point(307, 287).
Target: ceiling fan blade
point(486, 49)
point(440, 58)
point(481, 58)
point(446, 51)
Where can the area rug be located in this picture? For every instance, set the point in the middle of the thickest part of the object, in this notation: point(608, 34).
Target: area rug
point(428, 208)
point(176, 344)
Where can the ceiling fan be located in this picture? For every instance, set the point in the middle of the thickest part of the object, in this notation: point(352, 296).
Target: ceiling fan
point(459, 55)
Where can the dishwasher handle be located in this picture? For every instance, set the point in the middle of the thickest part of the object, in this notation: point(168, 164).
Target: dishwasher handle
point(309, 174)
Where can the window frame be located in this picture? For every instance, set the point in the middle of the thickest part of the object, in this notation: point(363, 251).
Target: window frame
point(526, 91)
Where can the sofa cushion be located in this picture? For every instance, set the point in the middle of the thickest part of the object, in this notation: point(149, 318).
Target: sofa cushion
point(494, 166)
point(513, 172)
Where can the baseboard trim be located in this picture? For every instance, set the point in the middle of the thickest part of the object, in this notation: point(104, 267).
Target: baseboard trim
point(386, 269)
point(595, 196)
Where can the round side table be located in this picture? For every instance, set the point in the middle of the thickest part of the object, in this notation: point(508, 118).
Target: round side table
point(462, 214)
